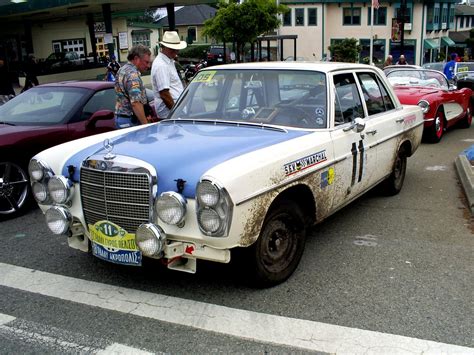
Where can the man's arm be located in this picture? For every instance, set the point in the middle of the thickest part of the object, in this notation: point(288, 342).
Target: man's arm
point(166, 97)
point(137, 107)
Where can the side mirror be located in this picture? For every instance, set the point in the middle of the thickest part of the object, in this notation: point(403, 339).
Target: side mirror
point(100, 115)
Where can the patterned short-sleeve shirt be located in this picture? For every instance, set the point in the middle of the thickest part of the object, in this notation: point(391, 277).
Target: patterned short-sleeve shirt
point(129, 88)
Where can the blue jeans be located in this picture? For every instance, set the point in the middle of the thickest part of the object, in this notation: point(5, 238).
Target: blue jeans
point(124, 122)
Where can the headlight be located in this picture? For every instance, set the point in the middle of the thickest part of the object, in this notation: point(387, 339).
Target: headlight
point(207, 194)
point(171, 207)
point(58, 219)
point(150, 239)
point(38, 170)
point(209, 220)
point(425, 106)
point(60, 189)
point(214, 209)
point(40, 192)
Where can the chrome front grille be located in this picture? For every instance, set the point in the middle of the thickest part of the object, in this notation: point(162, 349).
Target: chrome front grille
point(123, 198)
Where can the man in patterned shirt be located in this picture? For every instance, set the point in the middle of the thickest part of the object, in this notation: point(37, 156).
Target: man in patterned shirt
point(131, 94)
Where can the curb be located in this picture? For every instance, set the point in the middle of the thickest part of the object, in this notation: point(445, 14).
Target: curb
point(466, 175)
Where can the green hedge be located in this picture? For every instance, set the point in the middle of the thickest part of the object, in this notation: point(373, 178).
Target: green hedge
point(194, 51)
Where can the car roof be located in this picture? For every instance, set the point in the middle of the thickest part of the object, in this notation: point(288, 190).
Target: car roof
point(88, 84)
point(310, 65)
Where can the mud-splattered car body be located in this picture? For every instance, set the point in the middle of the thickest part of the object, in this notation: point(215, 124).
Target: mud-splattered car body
point(250, 157)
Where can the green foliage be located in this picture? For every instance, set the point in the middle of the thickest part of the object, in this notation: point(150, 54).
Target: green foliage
point(194, 51)
point(346, 50)
point(243, 23)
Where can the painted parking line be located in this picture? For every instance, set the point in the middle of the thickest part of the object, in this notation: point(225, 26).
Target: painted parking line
point(277, 330)
point(42, 337)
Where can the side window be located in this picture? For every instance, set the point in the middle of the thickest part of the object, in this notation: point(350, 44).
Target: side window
point(372, 94)
point(101, 100)
point(347, 103)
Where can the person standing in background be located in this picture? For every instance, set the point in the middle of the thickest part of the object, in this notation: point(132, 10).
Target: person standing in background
point(448, 69)
point(167, 85)
point(388, 61)
point(6, 86)
point(31, 70)
point(112, 69)
point(131, 94)
point(402, 60)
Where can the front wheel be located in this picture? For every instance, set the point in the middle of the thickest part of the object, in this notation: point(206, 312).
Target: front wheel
point(278, 250)
point(14, 189)
point(437, 129)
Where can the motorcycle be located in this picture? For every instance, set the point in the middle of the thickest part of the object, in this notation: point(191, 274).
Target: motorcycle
point(191, 70)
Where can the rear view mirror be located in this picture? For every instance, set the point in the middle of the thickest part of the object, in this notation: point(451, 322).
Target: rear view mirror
point(99, 116)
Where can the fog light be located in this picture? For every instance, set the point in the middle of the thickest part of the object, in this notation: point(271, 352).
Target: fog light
point(40, 192)
point(60, 189)
point(150, 239)
point(171, 208)
point(209, 220)
point(58, 219)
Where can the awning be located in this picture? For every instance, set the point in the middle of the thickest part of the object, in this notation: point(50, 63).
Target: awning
point(430, 44)
point(446, 41)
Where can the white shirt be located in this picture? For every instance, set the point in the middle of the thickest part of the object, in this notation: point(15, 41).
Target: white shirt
point(164, 76)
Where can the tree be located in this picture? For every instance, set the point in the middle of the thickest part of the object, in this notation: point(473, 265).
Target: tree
point(346, 50)
point(243, 23)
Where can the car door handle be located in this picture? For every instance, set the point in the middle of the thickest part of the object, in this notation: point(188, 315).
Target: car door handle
point(400, 120)
point(372, 132)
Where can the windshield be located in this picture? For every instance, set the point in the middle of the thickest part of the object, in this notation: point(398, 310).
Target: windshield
point(42, 106)
point(429, 78)
point(275, 97)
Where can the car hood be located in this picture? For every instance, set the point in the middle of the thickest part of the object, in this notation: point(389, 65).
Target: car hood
point(10, 135)
point(185, 150)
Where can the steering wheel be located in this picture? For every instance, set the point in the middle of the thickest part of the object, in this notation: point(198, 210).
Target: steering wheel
point(296, 117)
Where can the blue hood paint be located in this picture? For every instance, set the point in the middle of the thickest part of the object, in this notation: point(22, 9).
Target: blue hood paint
point(185, 150)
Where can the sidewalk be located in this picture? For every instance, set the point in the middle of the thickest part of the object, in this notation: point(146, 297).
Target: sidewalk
point(465, 167)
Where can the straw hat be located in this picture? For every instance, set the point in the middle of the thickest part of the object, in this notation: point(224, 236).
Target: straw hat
point(171, 40)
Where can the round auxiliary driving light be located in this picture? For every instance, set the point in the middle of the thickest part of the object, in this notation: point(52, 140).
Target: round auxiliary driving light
point(207, 194)
point(209, 220)
point(150, 239)
point(171, 207)
point(60, 189)
point(58, 219)
point(40, 192)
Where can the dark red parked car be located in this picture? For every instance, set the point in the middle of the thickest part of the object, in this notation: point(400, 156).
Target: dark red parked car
point(42, 117)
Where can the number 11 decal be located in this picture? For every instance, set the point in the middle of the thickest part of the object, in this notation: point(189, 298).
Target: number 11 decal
point(354, 151)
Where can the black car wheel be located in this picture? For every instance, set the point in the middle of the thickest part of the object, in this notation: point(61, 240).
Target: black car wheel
point(14, 189)
point(278, 250)
point(393, 184)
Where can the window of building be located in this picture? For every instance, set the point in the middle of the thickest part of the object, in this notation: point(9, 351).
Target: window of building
point(380, 16)
point(299, 17)
point(378, 51)
point(461, 22)
point(351, 16)
point(436, 14)
point(191, 35)
point(451, 16)
point(287, 18)
point(312, 17)
point(444, 16)
point(409, 47)
point(141, 37)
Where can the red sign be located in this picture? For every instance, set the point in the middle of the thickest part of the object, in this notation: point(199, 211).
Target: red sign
point(396, 30)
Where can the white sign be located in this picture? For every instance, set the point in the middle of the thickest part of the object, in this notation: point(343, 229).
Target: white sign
point(108, 38)
point(123, 40)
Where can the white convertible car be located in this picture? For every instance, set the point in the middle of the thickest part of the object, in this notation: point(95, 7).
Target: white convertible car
point(251, 156)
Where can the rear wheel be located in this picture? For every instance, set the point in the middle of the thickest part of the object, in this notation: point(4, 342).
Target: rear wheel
point(394, 183)
point(437, 129)
point(467, 120)
point(278, 250)
point(14, 189)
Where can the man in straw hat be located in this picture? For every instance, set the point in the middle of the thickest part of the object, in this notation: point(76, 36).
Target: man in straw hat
point(167, 85)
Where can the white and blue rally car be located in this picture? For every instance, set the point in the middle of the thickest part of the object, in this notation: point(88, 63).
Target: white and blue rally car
point(251, 156)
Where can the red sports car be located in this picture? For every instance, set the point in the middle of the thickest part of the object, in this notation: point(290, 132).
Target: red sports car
point(40, 118)
point(443, 105)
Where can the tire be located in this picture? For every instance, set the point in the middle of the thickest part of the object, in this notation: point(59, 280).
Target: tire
point(467, 120)
point(278, 250)
point(15, 190)
point(394, 183)
point(436, 131)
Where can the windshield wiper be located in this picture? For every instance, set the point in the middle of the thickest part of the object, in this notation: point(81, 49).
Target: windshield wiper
point(7, 123)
